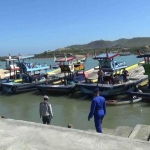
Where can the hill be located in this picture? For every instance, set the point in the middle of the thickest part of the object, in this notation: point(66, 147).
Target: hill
point(134, 42)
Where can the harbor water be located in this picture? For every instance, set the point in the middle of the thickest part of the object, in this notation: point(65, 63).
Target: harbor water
point(73, 109)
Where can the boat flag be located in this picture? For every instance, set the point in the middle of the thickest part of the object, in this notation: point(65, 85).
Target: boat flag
point(54, 57)
point(106, 53)
point(94, 53)
point(9, 57)
point(19, 56)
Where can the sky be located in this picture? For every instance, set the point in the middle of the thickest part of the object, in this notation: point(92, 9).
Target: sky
point(35, 26)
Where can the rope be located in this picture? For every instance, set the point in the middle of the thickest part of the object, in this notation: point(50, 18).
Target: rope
point(8, 91)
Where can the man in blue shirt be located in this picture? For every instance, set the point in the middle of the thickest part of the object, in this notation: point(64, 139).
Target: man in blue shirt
point(98, 109)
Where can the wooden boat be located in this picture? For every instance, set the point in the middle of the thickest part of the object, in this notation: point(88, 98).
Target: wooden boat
point(33, 74)
point(28, 78)
point(66, 85)
point(123, 102)
point(110, 67)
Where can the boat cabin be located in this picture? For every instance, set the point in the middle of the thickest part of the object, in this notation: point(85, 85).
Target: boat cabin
point(70, 68)
point(11, 64)
point(24, 62)
point(108, 64)
point(110, 67)
point(12, 67)
point(66, 64)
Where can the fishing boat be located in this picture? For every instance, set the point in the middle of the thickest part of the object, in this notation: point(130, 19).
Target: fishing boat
point(111, 67)
point(123, 102)
point(72, 74)
point(145, 89)
point(30, 75)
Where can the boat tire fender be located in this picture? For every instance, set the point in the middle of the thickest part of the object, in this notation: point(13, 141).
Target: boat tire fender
point(14, 89)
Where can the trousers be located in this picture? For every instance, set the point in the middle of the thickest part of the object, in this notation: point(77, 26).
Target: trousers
point(98, 123)
point(46, 119)
point(100, 79)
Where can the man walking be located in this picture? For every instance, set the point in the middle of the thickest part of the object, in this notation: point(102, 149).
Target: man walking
point(45, 110)
point(98, 109)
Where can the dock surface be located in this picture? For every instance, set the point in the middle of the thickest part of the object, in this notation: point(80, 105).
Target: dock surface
point(19, 135)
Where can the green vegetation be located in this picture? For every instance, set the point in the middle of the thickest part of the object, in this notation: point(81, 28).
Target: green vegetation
point(100, 46)
point(132, 50)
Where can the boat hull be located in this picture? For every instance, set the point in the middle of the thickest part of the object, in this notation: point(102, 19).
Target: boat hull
point(14, 87)
point(56, 88)
point(108, 90)
point(124, 102)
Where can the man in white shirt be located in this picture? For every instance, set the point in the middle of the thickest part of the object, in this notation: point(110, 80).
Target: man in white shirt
point(45, 110)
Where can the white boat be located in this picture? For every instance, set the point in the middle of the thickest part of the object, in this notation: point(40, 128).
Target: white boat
point(123, 102)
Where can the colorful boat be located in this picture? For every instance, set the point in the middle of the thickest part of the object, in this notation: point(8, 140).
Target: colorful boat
point(110, 67)
point(123, 102)
point(30, 75)
point(72, 75)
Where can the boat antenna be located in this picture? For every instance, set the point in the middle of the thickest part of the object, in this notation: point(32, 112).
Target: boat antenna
point(65, 57)
point(54, 57)
point(106, 53)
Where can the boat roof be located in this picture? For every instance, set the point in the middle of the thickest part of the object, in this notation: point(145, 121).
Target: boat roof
point(25, 57)
point(78, 57)
point(64, 59)
point(105, 55)
point(144, 55)
point(10, 59)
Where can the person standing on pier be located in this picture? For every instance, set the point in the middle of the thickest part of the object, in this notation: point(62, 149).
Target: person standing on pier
point(45, 110)
point(100, 76)
point(98, 109)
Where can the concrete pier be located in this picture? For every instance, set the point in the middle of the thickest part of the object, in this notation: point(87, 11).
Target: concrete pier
point(22, 135)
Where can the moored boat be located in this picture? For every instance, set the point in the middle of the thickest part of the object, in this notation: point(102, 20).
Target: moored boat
point(111, 67)
point(30, 75)
point(72, 75)
point(123, 102)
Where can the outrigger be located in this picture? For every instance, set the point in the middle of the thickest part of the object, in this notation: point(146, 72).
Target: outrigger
point(111, 68)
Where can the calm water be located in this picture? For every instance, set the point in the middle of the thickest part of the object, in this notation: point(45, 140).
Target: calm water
point(73, 109)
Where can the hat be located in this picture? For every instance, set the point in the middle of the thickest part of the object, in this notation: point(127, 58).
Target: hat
point(96, 90)
point(46, 97)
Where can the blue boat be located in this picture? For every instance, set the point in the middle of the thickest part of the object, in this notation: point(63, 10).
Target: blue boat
point(29, 76)
point(25, 65)
point(110, 67)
